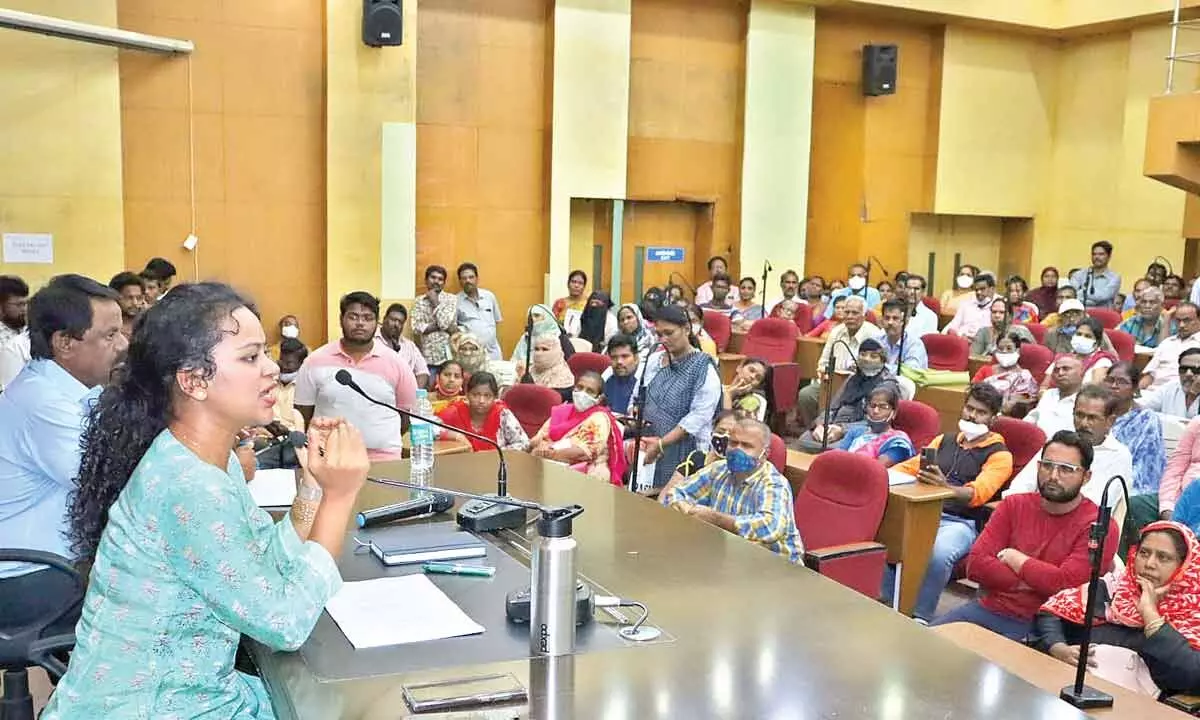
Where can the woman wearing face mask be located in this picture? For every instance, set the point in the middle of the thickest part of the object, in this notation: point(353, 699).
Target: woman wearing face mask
point(697, 459)
point(1147, 631)
point(963, 284)
point(748, 395)
point(849, 404)
point(482, 413)
point(584, 434)
point(630, 322)
point(289, 329)
point(696, 318)
point(597, 323)
point(549, 366)
point(984, 343)
point(543, 323)
point(291, 356)
point(1015, 383)
point(877, 438)
point(1088, 344)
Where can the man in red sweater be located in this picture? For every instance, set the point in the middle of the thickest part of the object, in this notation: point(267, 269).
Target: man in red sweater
point(1035, 545)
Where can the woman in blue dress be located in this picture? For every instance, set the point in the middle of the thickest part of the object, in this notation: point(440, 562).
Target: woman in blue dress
point(184, 562)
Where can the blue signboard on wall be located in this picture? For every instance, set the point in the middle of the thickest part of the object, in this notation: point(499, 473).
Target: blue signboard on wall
point(664, 254)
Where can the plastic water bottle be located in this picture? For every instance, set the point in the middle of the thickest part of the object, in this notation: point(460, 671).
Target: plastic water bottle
point(420, 435)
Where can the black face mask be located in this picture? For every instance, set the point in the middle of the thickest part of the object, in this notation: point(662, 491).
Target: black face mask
point(720, 444)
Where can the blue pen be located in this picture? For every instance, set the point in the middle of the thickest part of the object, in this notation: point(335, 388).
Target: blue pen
point(445, 568)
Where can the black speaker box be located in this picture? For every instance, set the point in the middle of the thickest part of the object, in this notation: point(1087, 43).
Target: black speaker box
point(879, 64)
point(383, 23)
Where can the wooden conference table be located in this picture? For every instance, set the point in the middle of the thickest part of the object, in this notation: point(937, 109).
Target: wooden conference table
point(749, 634)
point(1052, 675)
point(909, 526)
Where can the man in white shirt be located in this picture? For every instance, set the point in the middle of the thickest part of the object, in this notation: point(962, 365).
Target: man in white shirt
point(844, 341)
point(1056, 410)
point(1164, 366)
point(922, 321)
point(974, 315)
point(14, 336)
point(1095, 413)
point(1179, 397)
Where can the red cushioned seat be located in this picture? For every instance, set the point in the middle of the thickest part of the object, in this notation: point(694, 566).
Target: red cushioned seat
point(1109, 319)
point(947, 352)
point(919, 421)
point(581, 362)
point(718, 325)
point(1123, 343)
point(773, 340)
point(532, 405)
point(1035, 358)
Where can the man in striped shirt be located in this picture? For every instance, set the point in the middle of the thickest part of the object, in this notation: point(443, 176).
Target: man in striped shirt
point(744, 493)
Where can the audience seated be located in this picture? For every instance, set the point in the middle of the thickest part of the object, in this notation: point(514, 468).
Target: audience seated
point(1094, 415)
point(974, 315)
point(717, 266)
point(1001, 325)
point(543, 323)
point(597, 323)
point(922, 320)
point(1015, 384)
point(1087, 344)
point(1163, 367)
point(1035, 545)
point(789, 288)
point(1056, 410)
point(843, 343)
point(856, 287)
point(376, 368)
point(746, 309)
point(749, 395)
point(823, 329)
point(621, 378)
point(1147, 615)
point(1149, 324)
point(549, 366)
point(876, 437)
point(964, 289)
point(447, 385)
point(391, 331)
point(1141, 431)
point(849, 404)
point(719, 300)
point(1023, 311)
point(483, 413)
point(292, 355)
point(1183, 468)
point(696, 318)
point(743, 493)
point(696, 459)
point(1045, 296)
point(1054, 319)
point(567, 309)
point(584, 434)
point(894, 333)
point(973, 464)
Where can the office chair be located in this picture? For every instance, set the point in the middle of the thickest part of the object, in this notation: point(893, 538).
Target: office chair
point(26, 646)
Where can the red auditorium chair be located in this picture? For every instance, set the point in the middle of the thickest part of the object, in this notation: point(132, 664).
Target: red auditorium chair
point(785, 389)
point(933, 304)
point(773, 340)
point(1123, 343)
point(947, 352)
point(804, 317)
point(838, 511)
point(718, 325)
point(1037, 330)
point(1035, 358)
point(1023, 440)
point(777, 453)
point(1168, 304)
point(581, 362)
point(1109, 319)
point(872, 318)
point(532, 405)
point(919, 421)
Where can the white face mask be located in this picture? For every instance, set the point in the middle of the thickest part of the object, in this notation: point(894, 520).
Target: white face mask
point(290, 331)
point(857, 283)
point(697, 328)
point(583, 401)
point(1007, 360)
point(964, 281)
point(972, 431)
point(1083, 345)
point(287, 378)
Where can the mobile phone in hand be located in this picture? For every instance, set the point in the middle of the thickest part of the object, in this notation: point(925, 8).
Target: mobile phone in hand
point(928, 458)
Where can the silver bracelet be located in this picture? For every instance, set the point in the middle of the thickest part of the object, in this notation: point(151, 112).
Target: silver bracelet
point(309, 493)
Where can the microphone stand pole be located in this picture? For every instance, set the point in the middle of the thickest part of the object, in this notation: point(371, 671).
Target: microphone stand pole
point(527, 377)
point(829, 371)
point(766, 270)
point(1080, 695)
point(639, 406)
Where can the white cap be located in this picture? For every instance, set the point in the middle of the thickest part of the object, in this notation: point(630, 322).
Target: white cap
point(1070, 304)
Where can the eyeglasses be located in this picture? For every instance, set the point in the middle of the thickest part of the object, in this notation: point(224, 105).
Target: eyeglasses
point(879, 406)
point(1189, 370)
point(1065, 468)
point(1117, 381)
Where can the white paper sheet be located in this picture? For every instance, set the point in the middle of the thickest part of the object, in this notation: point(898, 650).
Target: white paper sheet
point(273, 488)
point(396, 611)
point(895, 477)
point(645, 476)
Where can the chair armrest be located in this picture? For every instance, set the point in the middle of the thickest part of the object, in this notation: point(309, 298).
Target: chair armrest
point(43, 653)
point(730, 357)
point(1187, 703)
point(813, 558)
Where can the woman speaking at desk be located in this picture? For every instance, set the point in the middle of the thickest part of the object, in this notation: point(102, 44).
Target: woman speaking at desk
point(184, 561)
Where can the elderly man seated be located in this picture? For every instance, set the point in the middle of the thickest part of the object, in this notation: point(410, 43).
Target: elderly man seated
point(743, 493)
point(1150, 324)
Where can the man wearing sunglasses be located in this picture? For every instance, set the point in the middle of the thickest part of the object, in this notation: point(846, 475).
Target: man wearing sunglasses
point(1179, 397)
point(1164, 366)
point(1035, 544)
point(1095, 413)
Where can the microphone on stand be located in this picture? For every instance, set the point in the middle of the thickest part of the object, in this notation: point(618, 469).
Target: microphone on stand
point(829, 370)
point(480, 515)
point(639, 405)
point(294, 439)
point(685, 283)
point(1080, 695)
point(766, 270)
point(527, 378)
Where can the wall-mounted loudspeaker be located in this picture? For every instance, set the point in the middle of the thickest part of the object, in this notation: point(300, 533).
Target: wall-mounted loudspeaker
point(383, 23)
point(879, 64)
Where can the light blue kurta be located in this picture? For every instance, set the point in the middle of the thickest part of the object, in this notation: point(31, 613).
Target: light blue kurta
point(186, 565)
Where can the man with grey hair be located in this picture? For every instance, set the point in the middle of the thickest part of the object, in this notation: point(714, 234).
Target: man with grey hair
point(844, 341)
point(743, 493)
point(1150, 324)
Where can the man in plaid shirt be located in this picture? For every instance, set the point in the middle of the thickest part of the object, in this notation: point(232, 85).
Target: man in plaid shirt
point(744, 493)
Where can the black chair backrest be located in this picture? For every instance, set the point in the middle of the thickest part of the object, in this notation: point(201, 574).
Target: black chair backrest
point(26, 645)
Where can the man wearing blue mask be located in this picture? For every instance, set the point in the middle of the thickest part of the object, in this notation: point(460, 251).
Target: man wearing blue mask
point(743, 493)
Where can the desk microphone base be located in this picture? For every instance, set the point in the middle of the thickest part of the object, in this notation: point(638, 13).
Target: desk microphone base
point(482, 516)
point(1087, 699)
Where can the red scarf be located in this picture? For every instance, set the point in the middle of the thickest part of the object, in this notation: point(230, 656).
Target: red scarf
point(1180, 606)
point(443, 395)
point(565, 418)
point(458, 415)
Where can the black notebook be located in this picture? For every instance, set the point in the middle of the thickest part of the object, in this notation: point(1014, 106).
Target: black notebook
point(425, 543)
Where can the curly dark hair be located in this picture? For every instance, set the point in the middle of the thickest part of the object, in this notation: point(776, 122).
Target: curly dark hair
point(177, 333)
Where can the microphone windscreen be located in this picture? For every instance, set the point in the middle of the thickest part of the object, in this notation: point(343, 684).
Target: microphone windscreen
point(442, 502)
point(297, 439)
point(343, 377)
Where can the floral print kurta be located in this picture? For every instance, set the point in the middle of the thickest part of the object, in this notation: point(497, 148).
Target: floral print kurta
point(186, 565)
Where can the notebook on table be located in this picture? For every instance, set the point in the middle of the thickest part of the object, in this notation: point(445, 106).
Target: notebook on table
point(405, 545)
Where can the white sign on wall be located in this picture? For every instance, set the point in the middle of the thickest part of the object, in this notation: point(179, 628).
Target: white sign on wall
point(33, 248)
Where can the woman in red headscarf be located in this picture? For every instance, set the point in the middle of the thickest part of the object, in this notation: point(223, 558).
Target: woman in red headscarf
point(583, 433)
point(1147, 632)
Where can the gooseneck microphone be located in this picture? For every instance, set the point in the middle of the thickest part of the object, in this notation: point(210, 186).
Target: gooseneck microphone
point(477, 515)
point(436, 503)
point(295, 439)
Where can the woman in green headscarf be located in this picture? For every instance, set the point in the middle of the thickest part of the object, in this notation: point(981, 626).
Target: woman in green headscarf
point(544, 323)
